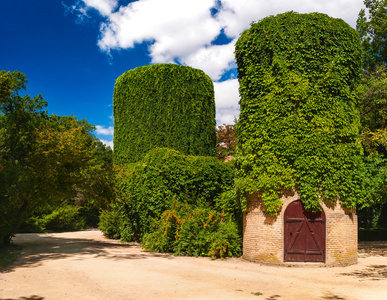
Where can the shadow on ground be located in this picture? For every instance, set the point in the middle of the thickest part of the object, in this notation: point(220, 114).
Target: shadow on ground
point(34, 297)
point(374, 272)
point(331, 296)
point(36, 248)
point(375, 248)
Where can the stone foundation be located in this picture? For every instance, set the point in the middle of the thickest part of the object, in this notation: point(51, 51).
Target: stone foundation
point(263, 236)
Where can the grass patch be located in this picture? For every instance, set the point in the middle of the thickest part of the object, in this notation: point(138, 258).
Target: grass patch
point(8, 256)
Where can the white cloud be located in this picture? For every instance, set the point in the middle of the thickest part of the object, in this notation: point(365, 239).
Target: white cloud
point(236, 16)
point(105, 7)
point(103, 130)
point(81, 8)
point(108, 143)
point(175, 27)
point(226, 100)
point(214, 60)
point(184, 30)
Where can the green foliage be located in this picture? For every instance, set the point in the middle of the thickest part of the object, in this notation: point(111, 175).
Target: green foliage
point(225, 141)
point(375, 181)
point(20, 117)
point(62, 218)
point(299, 124)
point(149, 187)
point(373, 217)
point(109, 224)
point(372, 106)
point(163, 105)
point(194, 231)
point(32, 225)
point(44, 159)
point(373, 112)
point(373, 33)
point(66, 218)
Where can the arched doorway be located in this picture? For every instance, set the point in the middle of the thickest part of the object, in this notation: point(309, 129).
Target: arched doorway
point(304, 234)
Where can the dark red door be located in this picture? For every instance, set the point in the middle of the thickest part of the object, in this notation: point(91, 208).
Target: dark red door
point(304, 234)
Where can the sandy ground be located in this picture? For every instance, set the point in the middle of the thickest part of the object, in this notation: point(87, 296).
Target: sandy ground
point(85, 265)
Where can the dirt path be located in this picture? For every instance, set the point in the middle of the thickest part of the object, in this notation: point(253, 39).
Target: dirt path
point(85, 265)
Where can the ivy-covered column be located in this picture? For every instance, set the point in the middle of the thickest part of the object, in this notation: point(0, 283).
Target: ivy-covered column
point(163, 105)
point(298, 126)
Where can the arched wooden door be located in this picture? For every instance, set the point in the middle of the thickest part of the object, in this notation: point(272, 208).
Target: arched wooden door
point(304, 234)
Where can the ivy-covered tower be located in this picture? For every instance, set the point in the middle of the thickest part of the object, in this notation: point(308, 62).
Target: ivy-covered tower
point(299, 162)
point(163, 105)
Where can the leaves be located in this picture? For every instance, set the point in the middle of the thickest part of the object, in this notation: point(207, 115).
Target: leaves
point(373, 34)
point(151, 186)
point(186, 230)
point(43, 159)
point(298, 126)
point(225, 141)
point(163, 105)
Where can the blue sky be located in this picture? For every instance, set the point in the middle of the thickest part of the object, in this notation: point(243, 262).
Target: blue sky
point(72, 51)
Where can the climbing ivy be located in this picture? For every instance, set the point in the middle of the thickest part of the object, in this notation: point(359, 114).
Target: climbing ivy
point(298, 126)
point(163, 105)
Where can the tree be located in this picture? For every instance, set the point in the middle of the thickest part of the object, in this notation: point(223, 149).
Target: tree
point(43, 159)
point(373, 111)
point(63, 148)
point(373, 88)
point(225, 141)
point(20, 117)
point(373, 33)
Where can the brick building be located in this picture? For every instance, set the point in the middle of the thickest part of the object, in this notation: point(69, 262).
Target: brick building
point(295, 236)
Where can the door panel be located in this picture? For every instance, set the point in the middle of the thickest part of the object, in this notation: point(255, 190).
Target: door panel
point(304, 234)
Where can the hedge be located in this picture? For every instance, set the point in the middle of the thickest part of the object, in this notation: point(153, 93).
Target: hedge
point(163, 105)
point(162, 178)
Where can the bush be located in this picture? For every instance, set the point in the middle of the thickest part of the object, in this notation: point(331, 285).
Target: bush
point(194, 231)
point(109, 224)
point(298, 126)
point(163, 105)
point(32, 225)
point(66, 218)
point(145, 190)
point(373, 217)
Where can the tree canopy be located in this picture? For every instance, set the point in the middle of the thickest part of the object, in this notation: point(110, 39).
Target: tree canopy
point(43, 159)
point(373, 33)
point(225, 141)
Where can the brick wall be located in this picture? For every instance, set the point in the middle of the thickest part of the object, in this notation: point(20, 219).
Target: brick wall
point(263, 235)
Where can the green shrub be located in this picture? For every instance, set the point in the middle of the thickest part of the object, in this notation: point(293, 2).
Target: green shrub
point(109, 224)
point(148, 188)
point(298, 126)
point(194, 231)
point(163, 105)
point(66, 218)
point(90, 213)
point(32, 225)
